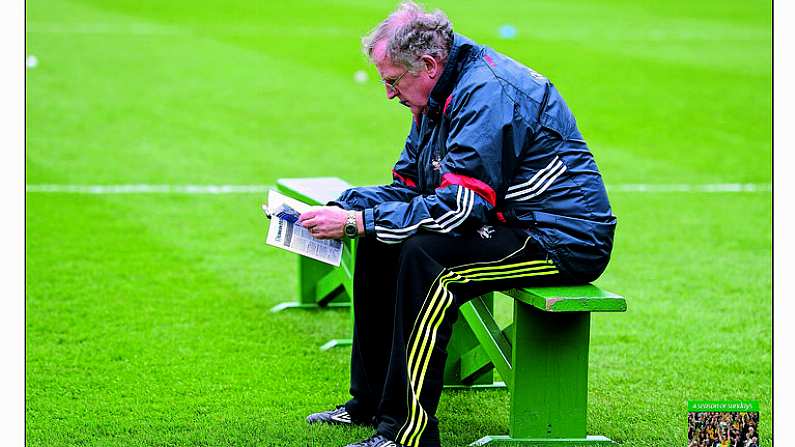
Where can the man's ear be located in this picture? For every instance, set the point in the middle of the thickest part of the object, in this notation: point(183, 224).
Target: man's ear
point(432, 66)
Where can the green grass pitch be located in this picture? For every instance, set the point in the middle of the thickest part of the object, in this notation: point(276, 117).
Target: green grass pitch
point(147, 316)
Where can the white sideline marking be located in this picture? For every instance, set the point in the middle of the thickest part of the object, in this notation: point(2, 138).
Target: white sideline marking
point(710, 187)
point(250, 189)
point(150, 189)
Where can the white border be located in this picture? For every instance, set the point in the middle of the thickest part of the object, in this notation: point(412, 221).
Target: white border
point(12, 273)
point(783, 240)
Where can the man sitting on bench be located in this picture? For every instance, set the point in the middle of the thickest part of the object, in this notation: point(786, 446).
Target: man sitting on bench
point(495, 189)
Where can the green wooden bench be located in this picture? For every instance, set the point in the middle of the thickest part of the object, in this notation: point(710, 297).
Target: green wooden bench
point(546, 372)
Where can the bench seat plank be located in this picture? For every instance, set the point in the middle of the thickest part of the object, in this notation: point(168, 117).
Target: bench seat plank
point(314, 191)
point(583, 298)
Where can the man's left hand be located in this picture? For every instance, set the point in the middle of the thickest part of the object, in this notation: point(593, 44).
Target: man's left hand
point(324, 222)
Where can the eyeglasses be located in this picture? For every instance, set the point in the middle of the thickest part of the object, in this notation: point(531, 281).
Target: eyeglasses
point(392, 85)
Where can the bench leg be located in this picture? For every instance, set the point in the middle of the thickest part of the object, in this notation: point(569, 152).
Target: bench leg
point(549, 392)
point(319, 285)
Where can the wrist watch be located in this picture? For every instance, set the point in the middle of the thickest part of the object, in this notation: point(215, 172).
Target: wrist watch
point(350, 229)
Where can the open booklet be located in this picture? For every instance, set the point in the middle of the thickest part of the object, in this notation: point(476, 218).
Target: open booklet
point(285, 232)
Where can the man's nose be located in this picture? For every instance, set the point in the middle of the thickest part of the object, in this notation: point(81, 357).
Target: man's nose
point(390, 92)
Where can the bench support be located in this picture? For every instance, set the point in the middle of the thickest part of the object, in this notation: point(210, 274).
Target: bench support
point(549, 380)
point(319, 285)
point(468, 364)
point(323, 286)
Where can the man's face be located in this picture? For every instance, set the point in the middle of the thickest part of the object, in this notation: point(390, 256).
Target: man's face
point(412, 90)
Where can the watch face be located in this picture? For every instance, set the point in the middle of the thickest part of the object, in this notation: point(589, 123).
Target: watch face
point(350, 230)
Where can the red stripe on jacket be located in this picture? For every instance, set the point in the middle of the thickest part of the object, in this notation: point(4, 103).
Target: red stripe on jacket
point(447, 103)
point(407, 181)
point(480, 188)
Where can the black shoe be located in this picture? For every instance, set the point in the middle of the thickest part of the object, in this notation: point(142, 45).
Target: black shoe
point(375, 441)
point(338, 416)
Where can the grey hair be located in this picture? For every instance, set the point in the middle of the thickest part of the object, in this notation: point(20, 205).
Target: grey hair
point(410, 33)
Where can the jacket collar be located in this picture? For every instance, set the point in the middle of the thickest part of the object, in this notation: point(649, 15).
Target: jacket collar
point(452, 68)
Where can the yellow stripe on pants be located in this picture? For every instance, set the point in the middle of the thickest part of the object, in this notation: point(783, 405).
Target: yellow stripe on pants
point(424, 336)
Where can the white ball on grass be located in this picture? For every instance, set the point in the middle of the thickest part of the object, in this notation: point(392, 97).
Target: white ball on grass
point(32, 61)
point(360, 76)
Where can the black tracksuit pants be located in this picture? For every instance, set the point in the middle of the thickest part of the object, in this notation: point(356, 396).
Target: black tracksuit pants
point(406, 299)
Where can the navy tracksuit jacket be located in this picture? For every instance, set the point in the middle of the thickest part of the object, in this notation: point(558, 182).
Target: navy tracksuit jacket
point(498, 144)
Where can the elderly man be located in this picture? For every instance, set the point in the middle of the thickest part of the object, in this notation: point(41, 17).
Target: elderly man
point(495, 189)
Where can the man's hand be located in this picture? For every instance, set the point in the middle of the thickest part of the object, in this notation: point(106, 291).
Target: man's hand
point(324, 222)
